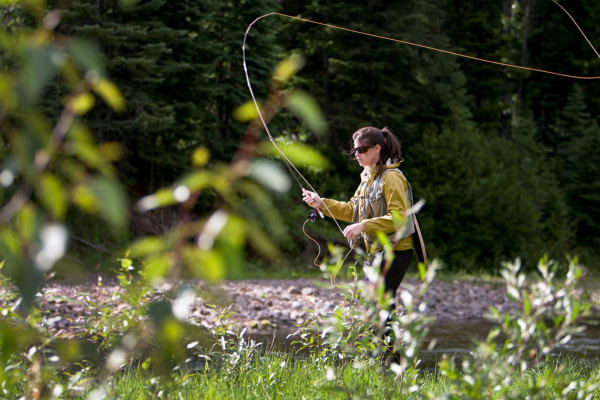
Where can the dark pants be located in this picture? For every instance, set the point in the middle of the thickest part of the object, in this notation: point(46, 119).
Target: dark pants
point(393, 278)
point(395, 274)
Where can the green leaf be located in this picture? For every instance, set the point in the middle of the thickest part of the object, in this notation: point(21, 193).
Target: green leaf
point(82, 103)
point(246, 112)
point(87, 56)
point(110, 93)
point(53, 195)
point(207, 265)
point(288, 67)
point(28, 220)
point(147, 246)
point(38, 69)
point(263, 243)
point(200, 156)
point(305, 107)
point(111, 201)
point(270, 174)
point(298, 153)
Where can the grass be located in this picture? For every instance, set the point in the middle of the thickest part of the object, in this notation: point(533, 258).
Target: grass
point(281, 376)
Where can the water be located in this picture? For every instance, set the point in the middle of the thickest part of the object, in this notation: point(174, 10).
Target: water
point(457, 339)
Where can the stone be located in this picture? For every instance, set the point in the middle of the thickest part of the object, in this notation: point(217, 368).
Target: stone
point(309, 291)
point(265, 323)
point(253, 324)
point(293, 290)
point(296, 305)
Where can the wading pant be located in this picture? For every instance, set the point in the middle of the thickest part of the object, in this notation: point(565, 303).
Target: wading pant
point(395, 274)
point(393, 278)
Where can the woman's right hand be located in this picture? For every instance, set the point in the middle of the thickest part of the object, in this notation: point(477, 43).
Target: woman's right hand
point(311, 198)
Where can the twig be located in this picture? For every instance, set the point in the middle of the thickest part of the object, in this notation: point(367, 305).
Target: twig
point(15, 204)
point(99, 248)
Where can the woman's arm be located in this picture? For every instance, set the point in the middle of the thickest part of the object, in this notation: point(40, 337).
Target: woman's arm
point(332, 208)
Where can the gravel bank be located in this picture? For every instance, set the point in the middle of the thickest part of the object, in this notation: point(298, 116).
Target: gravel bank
point(261, 303)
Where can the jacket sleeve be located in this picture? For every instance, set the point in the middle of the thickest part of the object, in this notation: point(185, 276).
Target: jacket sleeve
point(342, 210)
point(394, 191)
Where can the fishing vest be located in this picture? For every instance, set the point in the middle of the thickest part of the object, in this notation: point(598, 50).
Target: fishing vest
point(373, 205)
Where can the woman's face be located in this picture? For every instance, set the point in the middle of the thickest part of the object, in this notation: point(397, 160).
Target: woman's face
point(368, 158)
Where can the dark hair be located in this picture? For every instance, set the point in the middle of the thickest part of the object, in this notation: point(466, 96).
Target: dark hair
point(390, 148)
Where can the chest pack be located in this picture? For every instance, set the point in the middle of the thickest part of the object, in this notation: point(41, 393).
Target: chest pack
point(371, 204)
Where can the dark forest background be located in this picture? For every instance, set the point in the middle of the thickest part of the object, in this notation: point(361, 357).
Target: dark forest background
point(507, 160)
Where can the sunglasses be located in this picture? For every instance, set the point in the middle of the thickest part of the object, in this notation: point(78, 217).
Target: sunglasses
point(360, 149)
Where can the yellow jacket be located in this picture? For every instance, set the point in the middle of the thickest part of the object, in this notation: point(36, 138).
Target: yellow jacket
point(394, 190)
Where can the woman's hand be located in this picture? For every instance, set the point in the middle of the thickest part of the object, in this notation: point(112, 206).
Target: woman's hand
point(311, 198)
point(352, 231)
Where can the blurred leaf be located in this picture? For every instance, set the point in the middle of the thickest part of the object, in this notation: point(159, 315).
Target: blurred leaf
point(298, 153)
point(162, 198)
point(37, 70)
point(82, 103)
point(111, 200)
point(246, 112)
point(111, 151)
point(35, 5)
point(197, 180)
point(28, 220)
point(270, 174)
point(288, 67)
point(7, 94)
point(146, 246)
point(84, 198)
point(53, 195)
point(305, 107)
point(207, 265)
point(200, 156)
point(110, 93)
point(261, 241)
point(158, 267)
point(87, 56)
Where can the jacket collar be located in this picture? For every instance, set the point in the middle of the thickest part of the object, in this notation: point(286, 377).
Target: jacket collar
point(388, 166)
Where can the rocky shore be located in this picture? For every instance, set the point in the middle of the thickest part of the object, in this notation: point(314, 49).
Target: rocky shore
point(260, 304)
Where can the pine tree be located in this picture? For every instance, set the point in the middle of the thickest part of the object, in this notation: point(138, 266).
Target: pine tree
point(179, 66)
point(482, 29)
point(577, 137)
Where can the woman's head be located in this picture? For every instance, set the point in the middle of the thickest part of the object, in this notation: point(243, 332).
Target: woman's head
point(373, 147)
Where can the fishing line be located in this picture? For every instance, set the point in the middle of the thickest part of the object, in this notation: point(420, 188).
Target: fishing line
point(331, 277)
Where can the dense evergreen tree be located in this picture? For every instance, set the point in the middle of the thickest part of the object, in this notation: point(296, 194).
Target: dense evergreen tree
point(178, 64)
point(577, 138)
point(481, 29)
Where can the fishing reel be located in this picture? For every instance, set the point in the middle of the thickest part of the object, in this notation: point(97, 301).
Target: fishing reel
point(313, 216)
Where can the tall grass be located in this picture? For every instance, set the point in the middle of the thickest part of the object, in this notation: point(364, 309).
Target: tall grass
point(282, 376)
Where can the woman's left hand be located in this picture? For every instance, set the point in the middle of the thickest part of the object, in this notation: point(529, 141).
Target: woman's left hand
point(352, 231)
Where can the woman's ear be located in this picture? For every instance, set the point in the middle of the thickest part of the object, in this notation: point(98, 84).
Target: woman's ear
point(377, 148)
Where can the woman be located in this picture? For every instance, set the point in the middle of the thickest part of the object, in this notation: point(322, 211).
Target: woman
point(383, 189)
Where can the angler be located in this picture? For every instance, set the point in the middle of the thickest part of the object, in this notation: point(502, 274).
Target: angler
point(382, 190)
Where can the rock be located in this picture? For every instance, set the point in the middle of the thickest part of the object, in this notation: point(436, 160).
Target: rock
point(296, 305)
point(253, 324)
point(309, 291)
point(255, 305)
point(293, 290)
point(265, 323)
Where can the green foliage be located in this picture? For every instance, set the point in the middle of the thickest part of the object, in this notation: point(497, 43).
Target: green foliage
point(577, 138)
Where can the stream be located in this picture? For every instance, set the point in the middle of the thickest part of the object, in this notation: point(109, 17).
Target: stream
point(457, 339)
